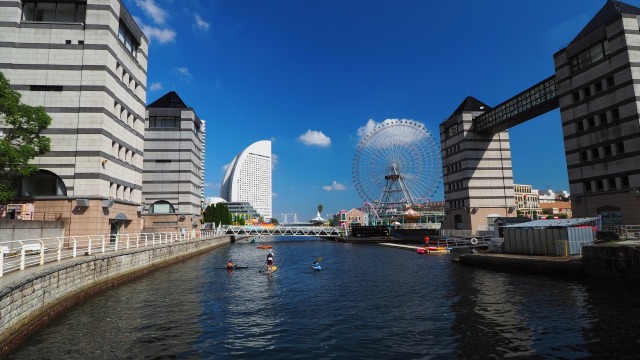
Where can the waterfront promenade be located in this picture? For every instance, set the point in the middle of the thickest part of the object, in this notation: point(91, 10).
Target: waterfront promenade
point(30, 297)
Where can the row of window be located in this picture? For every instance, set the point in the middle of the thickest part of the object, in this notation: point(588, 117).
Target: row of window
point(452, 130)
point(593, 88)
point(127, 39)
point(124, 115)
point(118, 191)
point(453, 149)
point(589, 56)
point(607, 151)
point(598, 120)
point(47, 11)
point(164, 122)
point(122, 153)
point(455, 167)
point(611, 183)
point(456, 204)
point(455, 185)
point(128, 80)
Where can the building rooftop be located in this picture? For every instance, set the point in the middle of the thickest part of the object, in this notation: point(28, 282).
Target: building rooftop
point(168, 100)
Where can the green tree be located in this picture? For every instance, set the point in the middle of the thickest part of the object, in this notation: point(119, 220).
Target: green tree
point(222, 214)
point(274, 221)
point(21, 138)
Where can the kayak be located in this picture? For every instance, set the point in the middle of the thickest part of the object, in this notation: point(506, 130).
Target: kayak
point(316, 267)
point(269, 271)
point(265, 247)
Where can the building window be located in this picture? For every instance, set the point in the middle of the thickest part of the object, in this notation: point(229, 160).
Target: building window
point(599, 185)
point(45, 11)
point(45, 88)
point(624, 182)
point(612, 183)
point(43, 183)
point(164, 122)
point(587, 186)
point(127, 39)
point(598, 86)
point(452, 130)
point(610, 82)
point(607, 150)
point(580, 125)
point(589, 56)
point(615, 114)
point(620, 148)
point(162, 207)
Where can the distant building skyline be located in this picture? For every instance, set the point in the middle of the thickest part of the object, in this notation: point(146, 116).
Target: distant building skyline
point(248, 178)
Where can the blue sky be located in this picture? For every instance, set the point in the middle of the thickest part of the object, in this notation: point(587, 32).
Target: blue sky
point(309, 74)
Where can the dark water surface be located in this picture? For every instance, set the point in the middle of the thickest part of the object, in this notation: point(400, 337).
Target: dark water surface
point(368, 302)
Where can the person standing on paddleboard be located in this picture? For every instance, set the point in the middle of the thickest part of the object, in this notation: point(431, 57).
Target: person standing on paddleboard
point(269, 260)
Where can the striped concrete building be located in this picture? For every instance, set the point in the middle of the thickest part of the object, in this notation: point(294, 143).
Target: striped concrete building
point(476, 168)
point(86, 63)
point(596, 86)
point(173, 166)
point(598, 77)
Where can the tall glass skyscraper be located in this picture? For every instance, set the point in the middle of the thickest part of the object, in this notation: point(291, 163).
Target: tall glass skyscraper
point(248, 178)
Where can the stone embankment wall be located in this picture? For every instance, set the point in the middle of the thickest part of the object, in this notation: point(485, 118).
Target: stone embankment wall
point(29, 300)
point(612, 261)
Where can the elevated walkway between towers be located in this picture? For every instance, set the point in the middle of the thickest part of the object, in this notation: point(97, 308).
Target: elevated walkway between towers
point(284, 230)
point(535, 101)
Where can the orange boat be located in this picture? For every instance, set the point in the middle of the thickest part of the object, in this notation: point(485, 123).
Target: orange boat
point(265, 247)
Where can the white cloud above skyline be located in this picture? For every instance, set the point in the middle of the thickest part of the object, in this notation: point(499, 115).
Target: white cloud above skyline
point(155, 12)
point(200, 24)
point(314, 138)
point(163, 36)
point(183, 73)
point(156, 86)
point(334, 186)
point(274, 161)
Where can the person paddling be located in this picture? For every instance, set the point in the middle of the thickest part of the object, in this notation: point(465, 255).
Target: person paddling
point(269, 260)
point(230, 265)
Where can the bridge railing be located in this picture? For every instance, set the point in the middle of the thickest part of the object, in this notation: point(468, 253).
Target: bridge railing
point(283, 230)
point(18, 255)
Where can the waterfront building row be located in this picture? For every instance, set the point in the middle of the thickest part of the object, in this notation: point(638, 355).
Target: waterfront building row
point(85, 62)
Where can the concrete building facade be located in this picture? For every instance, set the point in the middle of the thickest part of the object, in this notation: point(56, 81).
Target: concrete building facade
point(598, 87)
point(477, 170)
point(248, 178)
point(173, 165)
point(85, 62)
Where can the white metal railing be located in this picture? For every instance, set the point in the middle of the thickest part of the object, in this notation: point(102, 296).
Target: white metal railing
point(283, 230)
point(457, 242)
point(18, 255)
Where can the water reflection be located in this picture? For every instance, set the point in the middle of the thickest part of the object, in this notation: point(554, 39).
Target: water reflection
point(367, 302)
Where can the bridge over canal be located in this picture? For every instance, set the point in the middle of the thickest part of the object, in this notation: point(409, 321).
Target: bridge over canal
point(284, 230)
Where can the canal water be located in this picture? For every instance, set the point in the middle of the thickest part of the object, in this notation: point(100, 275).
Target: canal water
point(368, 301)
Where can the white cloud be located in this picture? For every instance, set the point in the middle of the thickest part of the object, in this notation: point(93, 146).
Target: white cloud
point(315, 138)
point(183, 73)
point(208, 185)
point(334, 186)
point(364, 130)
point(155, 12)
point(274, 161)
point(162, 35)
point(155, 86)
point(225, 167)
point(201, 24)
point(274, 194)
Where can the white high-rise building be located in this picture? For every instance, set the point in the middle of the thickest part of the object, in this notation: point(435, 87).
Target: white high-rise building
point(248, 178)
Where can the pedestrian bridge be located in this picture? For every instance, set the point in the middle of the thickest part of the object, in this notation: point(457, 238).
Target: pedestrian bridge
point(283, 230)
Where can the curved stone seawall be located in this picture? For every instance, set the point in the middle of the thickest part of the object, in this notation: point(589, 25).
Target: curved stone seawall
point(29, 299)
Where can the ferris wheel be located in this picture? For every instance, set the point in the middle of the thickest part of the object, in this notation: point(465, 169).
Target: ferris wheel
point(396, 165)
